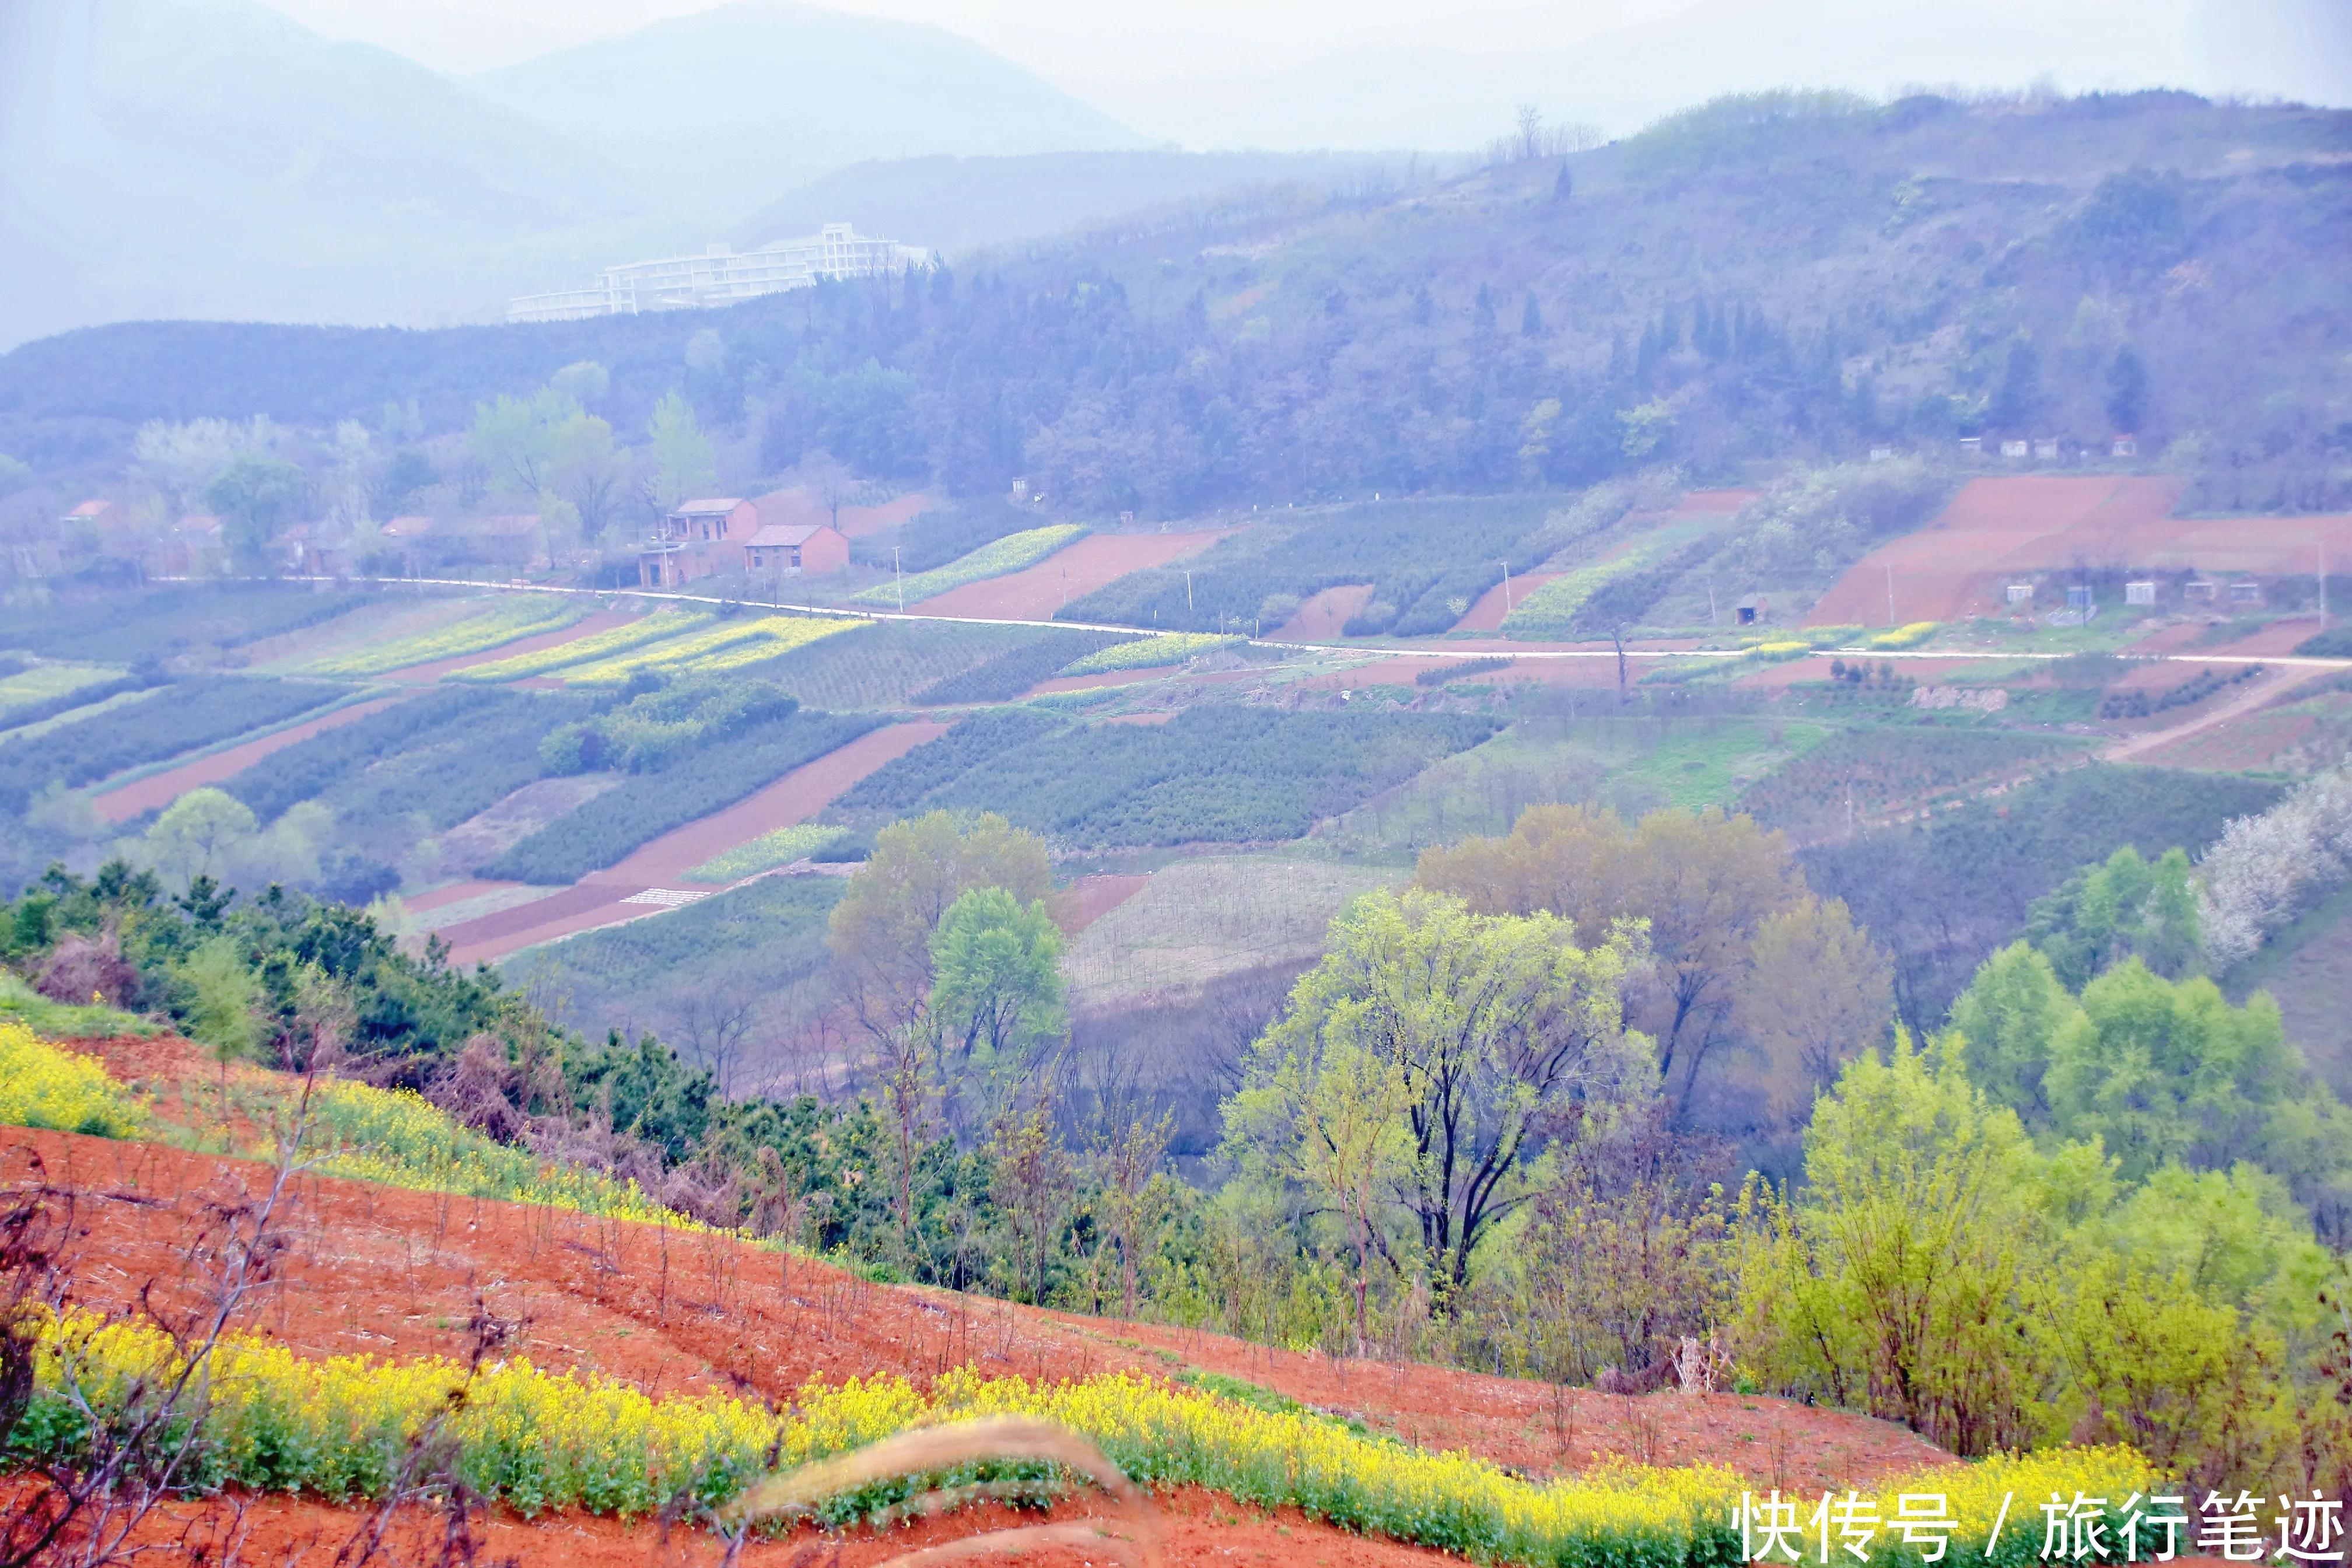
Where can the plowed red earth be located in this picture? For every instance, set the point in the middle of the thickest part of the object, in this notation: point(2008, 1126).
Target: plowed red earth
point(1324, 616)
point(393, 1273)
point(1488, 611)
point(1088, 898)
point(600, 899)
point(1997, 529)
point(1035, 593)
point(159, 790)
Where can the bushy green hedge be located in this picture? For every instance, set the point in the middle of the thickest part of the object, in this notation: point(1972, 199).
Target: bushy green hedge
point(175, 718)
point(647, 805)
point(1422, 556)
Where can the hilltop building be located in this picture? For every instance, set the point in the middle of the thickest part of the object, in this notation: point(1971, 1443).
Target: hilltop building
point(722, 276)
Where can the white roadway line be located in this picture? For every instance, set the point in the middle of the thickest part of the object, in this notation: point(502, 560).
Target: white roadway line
point(2290, 660)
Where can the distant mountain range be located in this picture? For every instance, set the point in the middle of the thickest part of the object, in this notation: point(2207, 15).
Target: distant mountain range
point(213, 159)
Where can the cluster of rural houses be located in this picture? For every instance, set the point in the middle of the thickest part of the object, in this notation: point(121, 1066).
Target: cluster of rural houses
point(784, 533)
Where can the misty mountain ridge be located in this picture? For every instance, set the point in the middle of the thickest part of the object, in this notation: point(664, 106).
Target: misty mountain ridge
point(732, 105)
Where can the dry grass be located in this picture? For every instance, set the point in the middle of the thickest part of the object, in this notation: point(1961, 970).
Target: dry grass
point(1199, 920)
point(939, 1448)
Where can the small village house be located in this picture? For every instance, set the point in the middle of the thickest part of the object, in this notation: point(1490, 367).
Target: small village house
point(797, 549)
point(2139, 593)
point(693, 541)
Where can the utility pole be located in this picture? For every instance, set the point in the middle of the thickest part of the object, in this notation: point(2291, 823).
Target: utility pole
point(1890, 593)
point(2323, 584)
point(1188, 589)
point(1710, 604)
point(1506, 584)
point(900, 579)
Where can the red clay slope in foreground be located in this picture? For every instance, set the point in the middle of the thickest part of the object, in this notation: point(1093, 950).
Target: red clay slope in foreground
point(388, 1272)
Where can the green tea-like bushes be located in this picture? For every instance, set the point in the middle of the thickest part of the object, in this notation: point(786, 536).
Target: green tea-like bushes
point(180, 717)
point(1017, 669)
point(602, 831)
point(1214, 775)
point(1419, 555)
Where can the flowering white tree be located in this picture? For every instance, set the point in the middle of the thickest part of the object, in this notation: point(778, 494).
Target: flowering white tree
point(2265, 869)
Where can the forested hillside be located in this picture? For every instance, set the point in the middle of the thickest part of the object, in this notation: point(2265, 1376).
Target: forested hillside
point(1786, 275)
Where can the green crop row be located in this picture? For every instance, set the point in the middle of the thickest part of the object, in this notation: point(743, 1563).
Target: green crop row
point(180, 717)
point(655, 627)
point(1150, 653)
point(1427, 560)
point(502, 620)
point(1010, 554)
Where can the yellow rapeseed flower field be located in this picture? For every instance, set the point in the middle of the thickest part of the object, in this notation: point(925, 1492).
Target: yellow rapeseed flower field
point(536, 1440)
point(42, 1085)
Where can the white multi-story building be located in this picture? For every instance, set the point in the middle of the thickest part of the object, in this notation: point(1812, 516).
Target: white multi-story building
point(721, 276)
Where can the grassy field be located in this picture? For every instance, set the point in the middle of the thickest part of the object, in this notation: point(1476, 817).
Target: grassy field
point(2307, 968)
point(1633, 764)
point(1196, 920)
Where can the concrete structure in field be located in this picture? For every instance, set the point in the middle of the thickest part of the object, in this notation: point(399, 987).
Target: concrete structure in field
point(722, 276)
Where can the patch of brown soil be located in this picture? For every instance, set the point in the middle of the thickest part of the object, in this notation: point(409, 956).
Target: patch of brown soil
point(2272, 685)
point(390, 1272)
point(1324, 615)
point(159, 790)
point(1088, 898)
point(1998, 530)
point(586, 625)
point(1148, 717)
point(1197, 1528)
point(1035, 593)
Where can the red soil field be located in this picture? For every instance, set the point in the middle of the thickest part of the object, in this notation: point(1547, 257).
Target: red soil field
point(1321, 617)
point(2271, 686)
point(1088, 898)
point(1196, 1528)
point(156, 790)
point(382, 1271)
point(1486, 615)
point(1994, 528)
point(1999, 529)
point(586, 625)
point(600, 899)
point(1035, 593)
point(390, 1272)
point(1148, 717)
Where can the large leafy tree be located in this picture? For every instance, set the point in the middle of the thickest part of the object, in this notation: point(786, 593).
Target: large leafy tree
point(996, 987)
point(255, 496)
point(1490, 1032)
point(1709, 885)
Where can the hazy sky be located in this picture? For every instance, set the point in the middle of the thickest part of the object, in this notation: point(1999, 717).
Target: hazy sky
point(1362, 73)
point(1080, 35)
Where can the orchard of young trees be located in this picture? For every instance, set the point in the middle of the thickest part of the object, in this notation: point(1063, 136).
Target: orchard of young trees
point(1578, 1098)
